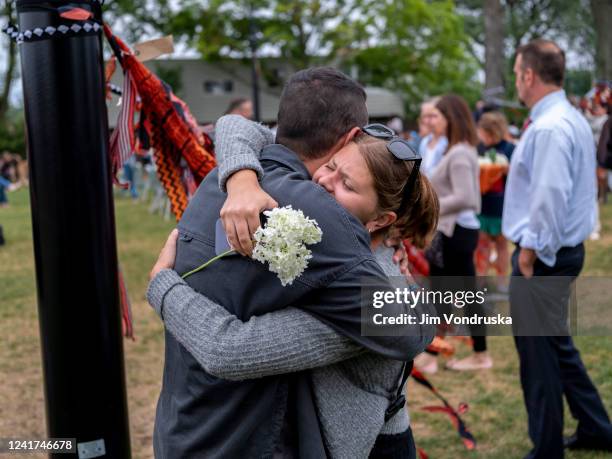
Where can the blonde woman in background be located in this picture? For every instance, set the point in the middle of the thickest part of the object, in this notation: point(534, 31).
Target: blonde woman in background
point(434, 142)
point(492, 131)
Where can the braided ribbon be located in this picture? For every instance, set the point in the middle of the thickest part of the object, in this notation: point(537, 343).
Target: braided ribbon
point(169, 125)
point(466, 436)
point(39, 33)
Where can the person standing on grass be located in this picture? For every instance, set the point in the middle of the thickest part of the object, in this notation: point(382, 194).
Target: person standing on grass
point(549, 210)
point(200, 415)
point(456, 181)
point(604, 151)
point(492, 130)
point(5, 186)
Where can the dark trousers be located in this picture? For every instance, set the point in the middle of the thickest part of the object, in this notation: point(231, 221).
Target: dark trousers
point(398, 446)
point(458, 259)
point(550, 367)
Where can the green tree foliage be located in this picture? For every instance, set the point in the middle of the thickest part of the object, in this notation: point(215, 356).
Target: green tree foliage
point(570, 22)
point(12, 129)
point(416, 47)
point(601, 12)
point(172, 76)
point(12, 134)
point(567, 20)
point(135, 19)
point(578, 82)
point(296, 30)
point(7, 15)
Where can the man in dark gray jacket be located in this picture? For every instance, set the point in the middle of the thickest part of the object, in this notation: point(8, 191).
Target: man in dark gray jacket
point(199, 415)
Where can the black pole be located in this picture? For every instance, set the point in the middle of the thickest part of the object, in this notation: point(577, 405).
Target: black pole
point(254, 66)
point(255, 83)
point(74, 235)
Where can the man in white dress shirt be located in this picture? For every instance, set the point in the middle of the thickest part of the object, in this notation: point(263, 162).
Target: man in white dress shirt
point(549, 210)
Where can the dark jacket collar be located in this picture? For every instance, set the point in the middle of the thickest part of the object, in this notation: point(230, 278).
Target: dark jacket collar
point(280, 154)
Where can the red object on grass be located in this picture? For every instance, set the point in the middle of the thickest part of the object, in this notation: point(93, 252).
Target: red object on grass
point(466, 436)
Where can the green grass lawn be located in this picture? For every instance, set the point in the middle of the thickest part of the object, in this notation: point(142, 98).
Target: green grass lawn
point(496, 413)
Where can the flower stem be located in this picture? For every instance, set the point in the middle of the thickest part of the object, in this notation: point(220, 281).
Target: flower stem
point(201, 267)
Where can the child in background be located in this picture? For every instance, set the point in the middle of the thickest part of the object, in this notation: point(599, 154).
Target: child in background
point(495, 153)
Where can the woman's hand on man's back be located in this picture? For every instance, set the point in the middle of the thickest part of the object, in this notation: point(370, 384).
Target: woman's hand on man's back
point(167, 256)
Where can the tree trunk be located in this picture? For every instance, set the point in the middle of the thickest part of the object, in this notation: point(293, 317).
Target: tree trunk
point(9, 73)
point(494, 45)
point(602, 12)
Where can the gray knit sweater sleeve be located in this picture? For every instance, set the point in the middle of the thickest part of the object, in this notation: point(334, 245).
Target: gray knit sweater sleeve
point(283, 341)
point(238, 144)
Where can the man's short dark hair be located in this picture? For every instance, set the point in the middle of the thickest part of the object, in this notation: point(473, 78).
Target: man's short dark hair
point(235, 104)
point(317, 107)
point(545, 58)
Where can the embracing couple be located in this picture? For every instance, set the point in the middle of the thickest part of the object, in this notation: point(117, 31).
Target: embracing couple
point(255, 369)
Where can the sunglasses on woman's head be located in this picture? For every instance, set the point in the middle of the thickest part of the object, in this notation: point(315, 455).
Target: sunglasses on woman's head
point(380, 131)
point(399, 148)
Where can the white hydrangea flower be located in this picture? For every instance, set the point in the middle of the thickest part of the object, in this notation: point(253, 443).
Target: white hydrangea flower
point(282, 242)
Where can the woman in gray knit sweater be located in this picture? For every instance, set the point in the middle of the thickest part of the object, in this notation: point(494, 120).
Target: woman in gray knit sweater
point(352, 387)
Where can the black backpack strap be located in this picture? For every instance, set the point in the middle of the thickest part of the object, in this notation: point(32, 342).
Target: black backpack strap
point(398, 402)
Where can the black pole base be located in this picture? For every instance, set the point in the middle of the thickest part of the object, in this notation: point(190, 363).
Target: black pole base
point(74, 235)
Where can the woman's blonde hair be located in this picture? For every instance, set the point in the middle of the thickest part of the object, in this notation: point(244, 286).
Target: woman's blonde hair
point(418, 218)
point(494, 124)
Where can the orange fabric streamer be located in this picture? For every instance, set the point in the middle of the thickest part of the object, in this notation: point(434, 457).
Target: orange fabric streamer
point(168, 126)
